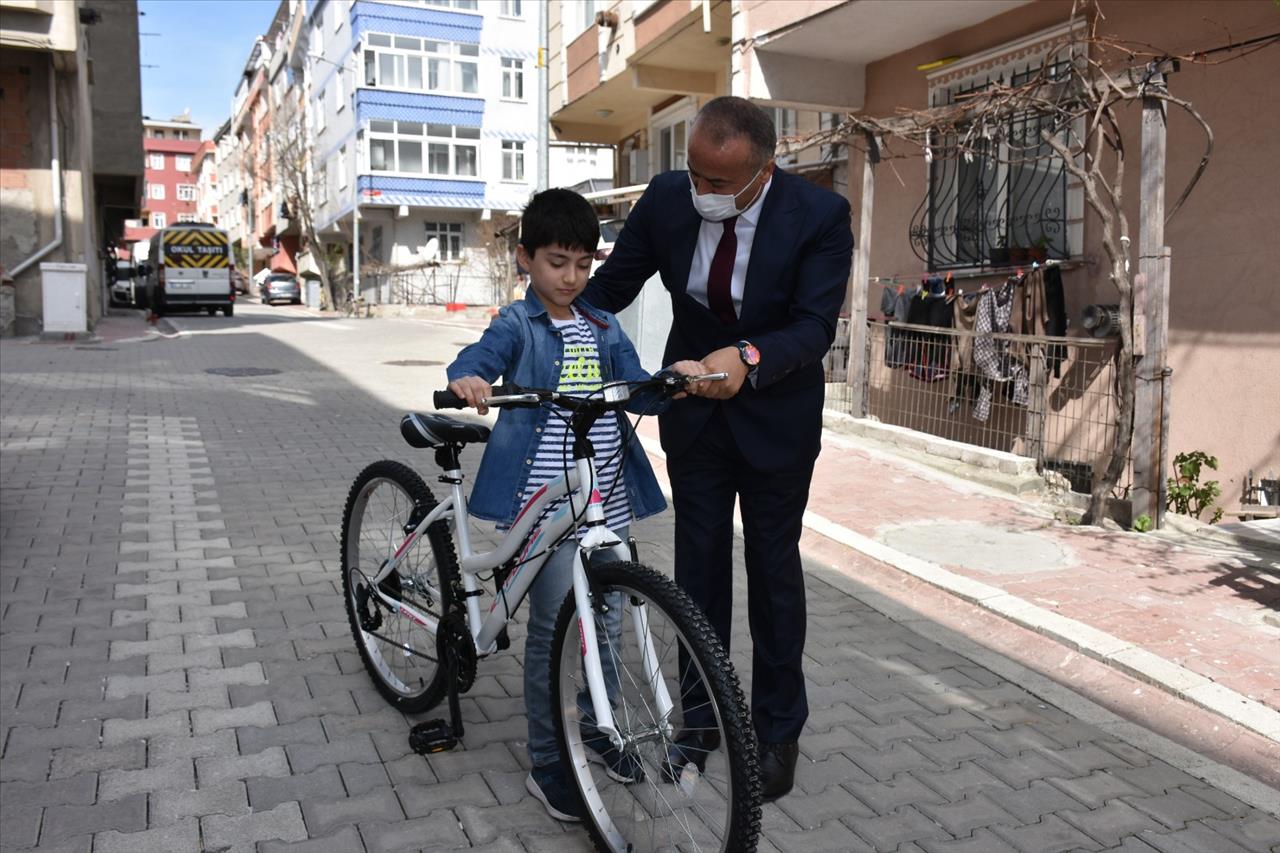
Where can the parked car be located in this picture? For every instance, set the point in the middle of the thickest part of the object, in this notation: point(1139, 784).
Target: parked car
point(609, 231)
point(122, 284)
point(239, 283)
point(280, 286)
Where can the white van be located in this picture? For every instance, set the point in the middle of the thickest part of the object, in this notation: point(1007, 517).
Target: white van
point(189, 267)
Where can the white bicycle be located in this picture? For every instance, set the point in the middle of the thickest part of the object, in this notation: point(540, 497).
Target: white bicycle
point(652, 677)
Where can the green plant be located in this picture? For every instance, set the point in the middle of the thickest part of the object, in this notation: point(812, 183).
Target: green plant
point(1187, 495)
point(1143, 523)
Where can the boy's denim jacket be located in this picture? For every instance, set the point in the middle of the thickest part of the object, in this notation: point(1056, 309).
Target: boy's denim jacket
point(522, 346)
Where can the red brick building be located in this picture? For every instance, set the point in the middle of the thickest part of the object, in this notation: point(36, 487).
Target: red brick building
point(169, 195)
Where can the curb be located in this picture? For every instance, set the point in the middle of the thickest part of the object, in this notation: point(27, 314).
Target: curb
point(1119, 654)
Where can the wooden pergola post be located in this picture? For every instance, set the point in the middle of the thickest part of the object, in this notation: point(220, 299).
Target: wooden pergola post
point(856, 376)
point(1151, 319)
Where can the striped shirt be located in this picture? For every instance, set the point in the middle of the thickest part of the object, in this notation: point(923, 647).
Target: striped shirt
point(580, 375)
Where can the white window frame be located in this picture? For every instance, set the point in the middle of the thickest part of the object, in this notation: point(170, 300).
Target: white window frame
point(586, 18)
point(158, 220)
point(459, 5)
point(191, 217)
point(179, 160)
point(337, 19)
point(400, 53)
point(512, 78)
point(342, 167)
point(445, 233)
point(186, 192)
point(155, 160)
point(377, 132)
point(678, 119)
point(339, 96)
point(513, 161)
point(320, 113)
point(157, 192)
point(320, 31)
point(511, 9)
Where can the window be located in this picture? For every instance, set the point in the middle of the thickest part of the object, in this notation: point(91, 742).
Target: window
point(320, 30)
point(415, 148)
point(672, 146)
point(157, 192)
point(586, 16)
point(423, 65)
point(157, 220)
point(181, 163)
point(1009, 199)
point(186, 192)
point(337, 20)
point(470, 5)
point(157, 134)
point(339, 98)
point(513, 79)
point(449, 235)
point(513, 161)
point(511, 9)
point(829, 121)
point(320, 118)
point(342, 167)
point(322, 183)
point(784, 121)
point(189, 217)
point(157, 161)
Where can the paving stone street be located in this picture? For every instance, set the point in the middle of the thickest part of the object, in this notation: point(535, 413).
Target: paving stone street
point(177, 672)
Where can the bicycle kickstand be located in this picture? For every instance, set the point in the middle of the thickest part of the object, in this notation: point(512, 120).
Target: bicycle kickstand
point(438, 735)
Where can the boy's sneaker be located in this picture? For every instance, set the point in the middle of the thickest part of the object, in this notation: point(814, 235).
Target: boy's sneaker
point(553, 790)
point(619, 766)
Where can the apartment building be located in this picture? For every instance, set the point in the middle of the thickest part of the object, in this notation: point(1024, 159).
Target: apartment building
point(423, 118)
point(205, 169)
point(70, 146)
point(169, 195)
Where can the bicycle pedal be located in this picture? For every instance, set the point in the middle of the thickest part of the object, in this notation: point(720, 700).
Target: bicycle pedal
point(431, 737)
point(503, 641)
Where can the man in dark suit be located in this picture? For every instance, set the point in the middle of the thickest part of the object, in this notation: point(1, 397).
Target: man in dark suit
point(757, 264)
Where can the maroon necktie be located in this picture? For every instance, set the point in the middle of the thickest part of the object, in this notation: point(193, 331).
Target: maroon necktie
point(720, 276)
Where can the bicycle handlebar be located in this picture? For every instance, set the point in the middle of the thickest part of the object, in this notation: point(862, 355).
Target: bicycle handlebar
point(613, 395)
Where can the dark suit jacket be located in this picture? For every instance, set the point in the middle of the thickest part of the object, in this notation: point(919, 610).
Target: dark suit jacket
point(796, 282)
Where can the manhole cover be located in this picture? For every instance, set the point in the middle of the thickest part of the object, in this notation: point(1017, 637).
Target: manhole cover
point(414, 362)
point(977, 546)
point(242, 371)
point(97, 349)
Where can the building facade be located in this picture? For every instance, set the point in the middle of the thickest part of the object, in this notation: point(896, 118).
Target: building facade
point(170, 194)
point(70, 147)
point(206, 179)
point(423, 118)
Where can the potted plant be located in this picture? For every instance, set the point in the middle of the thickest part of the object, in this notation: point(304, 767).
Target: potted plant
point(1019, 255)
point(1039, 253)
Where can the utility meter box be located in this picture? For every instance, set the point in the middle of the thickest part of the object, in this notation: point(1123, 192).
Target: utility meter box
point(64, 297)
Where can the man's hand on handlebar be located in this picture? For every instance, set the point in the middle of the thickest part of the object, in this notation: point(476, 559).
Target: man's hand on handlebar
point(688, 368)
point(474, 390)
point(725, 360)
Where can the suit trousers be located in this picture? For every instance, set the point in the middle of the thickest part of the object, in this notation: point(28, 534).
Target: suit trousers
point(705, 480)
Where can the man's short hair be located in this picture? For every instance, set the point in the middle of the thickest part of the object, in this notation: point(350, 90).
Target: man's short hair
point(728, 117)
point(559, 217)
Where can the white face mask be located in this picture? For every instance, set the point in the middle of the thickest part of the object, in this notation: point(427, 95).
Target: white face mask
point(717, 207)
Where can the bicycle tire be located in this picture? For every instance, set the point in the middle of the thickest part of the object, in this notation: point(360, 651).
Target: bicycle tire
point(620, 814)
point(411, 681)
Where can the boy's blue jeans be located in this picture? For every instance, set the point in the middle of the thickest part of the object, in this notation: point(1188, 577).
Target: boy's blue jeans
point(546, 596)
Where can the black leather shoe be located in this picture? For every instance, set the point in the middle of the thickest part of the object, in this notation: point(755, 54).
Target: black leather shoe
point(689, 748)
point(777, 769)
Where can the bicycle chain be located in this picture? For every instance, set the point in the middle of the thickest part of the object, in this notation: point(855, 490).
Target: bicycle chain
point(454, 639)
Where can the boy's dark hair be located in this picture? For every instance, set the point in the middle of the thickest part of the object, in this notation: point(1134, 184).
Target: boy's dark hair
point(559, 216)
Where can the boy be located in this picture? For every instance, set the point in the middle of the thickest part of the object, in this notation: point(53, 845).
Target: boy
point(551, 339)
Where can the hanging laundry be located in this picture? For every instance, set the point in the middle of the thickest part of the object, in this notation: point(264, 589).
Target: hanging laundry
point(991, 356)
point(895, 302)
point(1044, 311)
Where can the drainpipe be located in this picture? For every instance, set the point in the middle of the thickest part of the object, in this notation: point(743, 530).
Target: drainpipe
point(55, 170)
point(544, 147)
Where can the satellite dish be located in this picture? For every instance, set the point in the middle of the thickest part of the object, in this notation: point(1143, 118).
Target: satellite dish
point(432, 250)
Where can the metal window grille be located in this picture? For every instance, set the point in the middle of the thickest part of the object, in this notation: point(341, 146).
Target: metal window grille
point(916, 379)
point(995, 200)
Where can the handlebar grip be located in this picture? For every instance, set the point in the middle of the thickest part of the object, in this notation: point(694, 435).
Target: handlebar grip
point(448, 400)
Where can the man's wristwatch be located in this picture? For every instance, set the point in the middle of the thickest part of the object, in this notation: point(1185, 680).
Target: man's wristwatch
point(749, 354)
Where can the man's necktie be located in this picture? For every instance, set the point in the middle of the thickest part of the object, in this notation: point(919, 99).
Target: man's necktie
point(720, 276)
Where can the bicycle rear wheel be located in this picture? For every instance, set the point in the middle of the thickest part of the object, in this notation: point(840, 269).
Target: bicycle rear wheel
point(711, 803)
point(399, 653)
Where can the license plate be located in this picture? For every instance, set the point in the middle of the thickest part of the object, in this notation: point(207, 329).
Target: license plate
point(180, 285)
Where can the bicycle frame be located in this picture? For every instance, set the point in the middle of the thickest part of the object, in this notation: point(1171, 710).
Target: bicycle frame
point(484, 628)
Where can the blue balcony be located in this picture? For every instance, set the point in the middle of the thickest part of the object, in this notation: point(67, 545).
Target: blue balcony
point(438, 24)
point(420, 192)
point(408, 106)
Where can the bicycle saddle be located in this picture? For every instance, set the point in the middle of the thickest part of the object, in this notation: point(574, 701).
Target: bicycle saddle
point(423, 430)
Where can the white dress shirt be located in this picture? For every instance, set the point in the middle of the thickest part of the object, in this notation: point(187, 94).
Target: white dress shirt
point(709, 235)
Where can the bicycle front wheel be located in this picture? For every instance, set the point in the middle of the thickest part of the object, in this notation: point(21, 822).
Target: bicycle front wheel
point(401, 654)
point(685, 778)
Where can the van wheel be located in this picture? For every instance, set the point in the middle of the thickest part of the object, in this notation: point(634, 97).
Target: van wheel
point(227, 310)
